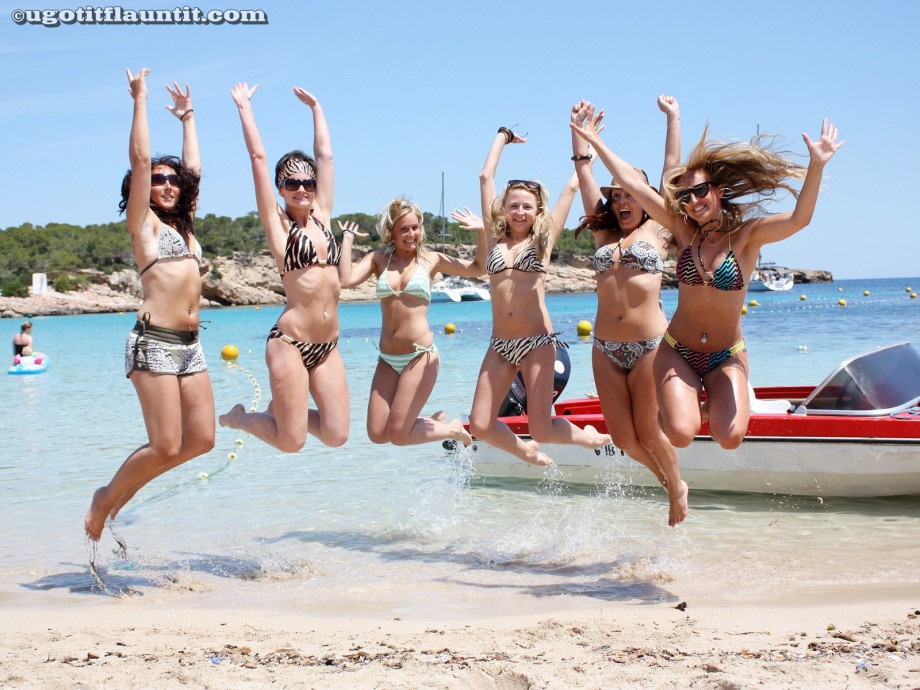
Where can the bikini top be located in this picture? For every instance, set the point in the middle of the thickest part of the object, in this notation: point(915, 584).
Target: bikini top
point(300, 252)
point(727, 276)
point(639, 256)
point(172, 246)
point(419, 284)
point(526, 261)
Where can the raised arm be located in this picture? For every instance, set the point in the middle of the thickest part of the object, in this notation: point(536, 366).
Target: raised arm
point(624, 173)
point(563, 206)
point(353, 275)
point(783, 225)
point(138, 215)
point(503, 137)
point(668, 105)
point(463, 267)
point(261, 177)
point(322, 152)
point(182, 109)
point(583, 156)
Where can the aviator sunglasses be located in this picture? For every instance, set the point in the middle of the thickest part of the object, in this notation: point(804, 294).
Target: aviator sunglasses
point(530, 184)
point(292, 184)
point(159, 179)
point(699, 191)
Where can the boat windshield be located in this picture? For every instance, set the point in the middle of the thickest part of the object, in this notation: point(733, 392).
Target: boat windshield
point(878, 382)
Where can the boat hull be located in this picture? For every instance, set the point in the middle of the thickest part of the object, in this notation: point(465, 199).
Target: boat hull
point(783, 452)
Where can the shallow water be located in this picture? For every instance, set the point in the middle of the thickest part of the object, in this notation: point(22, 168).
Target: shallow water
point(398, 532)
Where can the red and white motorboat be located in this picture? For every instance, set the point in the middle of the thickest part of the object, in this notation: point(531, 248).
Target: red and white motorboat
point(856, 434)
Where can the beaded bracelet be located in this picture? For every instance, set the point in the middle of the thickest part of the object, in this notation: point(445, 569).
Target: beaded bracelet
point(509, 135)
point(582, 157)
point(190, 110)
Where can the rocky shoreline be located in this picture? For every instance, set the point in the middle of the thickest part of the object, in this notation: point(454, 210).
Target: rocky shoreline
point(252, 279)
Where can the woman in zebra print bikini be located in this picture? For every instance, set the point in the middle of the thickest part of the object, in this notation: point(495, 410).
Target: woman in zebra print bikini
point(522, 334)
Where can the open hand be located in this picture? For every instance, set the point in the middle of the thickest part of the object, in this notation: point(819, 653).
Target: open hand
point(468, 220)
point(351, 226)
point(590, 129)
point(242, 93)
point(822, 150)
point(305, 97)
point(182, 102)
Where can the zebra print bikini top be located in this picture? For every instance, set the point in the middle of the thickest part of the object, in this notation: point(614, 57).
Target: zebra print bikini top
point(526, 261)
point(300, 252)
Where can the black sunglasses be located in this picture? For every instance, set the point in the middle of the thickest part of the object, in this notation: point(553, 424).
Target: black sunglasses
point(701, 190)
point(159, 179)
point(530, 184)
point(292, 184)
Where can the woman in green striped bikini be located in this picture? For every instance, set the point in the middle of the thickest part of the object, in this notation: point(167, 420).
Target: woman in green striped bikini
point(408, 364)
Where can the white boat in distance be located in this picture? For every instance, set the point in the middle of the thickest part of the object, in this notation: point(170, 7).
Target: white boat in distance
point(456, 289)
point(767, 276)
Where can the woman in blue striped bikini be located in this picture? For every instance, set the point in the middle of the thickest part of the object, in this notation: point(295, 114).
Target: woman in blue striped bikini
point(409, 362)
point(522, 333)
point(713, 206)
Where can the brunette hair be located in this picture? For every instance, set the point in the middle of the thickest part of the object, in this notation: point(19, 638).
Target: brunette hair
point(182, 217)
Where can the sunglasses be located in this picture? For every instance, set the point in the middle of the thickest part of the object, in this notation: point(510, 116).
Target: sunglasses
point(292, 184)
point(529, 184)
point(701, 190)
point(616, 197)
point(159, 179)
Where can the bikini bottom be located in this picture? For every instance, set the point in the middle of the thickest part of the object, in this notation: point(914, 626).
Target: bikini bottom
point(626, 354)
point(516, 349)
point(312, 354)
point(400, 362)
point(704, 362)
point(163, 351)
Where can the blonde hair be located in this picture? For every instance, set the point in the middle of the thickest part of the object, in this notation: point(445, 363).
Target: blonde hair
point(743, 169)
point(542, 225)
point(392, 212)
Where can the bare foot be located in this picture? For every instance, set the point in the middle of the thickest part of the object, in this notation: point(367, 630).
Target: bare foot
point(439, 416)
point(120, 503)
point(458, 433)
point(535, 456)
point(233, 418)
point(595, 439)
point(679, 506)
point(95, 516)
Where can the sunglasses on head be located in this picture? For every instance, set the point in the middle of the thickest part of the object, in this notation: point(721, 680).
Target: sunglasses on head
point(529, 184)
point(159, 179)
point(292, 184)
point(699, 191)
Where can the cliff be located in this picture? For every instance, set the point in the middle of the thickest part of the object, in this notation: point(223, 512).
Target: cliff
point(249, 279)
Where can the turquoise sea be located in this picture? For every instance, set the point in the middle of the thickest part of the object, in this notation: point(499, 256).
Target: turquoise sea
point(379, 530)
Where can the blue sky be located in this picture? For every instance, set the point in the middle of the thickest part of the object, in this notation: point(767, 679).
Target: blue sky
point(414, 89)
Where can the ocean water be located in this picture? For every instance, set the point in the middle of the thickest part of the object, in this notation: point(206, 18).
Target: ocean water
point(379, 530)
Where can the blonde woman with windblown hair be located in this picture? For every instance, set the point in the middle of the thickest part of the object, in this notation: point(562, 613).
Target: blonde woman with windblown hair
point(522, 334)
point(719, 236)
point(408, 365)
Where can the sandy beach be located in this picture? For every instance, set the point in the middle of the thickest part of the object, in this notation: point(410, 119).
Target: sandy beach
point(869, 642)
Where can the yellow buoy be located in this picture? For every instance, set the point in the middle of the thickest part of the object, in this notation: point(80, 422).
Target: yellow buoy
point(909, 289)
point(866, 293)
point(803, 297)
point(842, 302)
point(584, 327)
point(229, 353)
point(450, 328)
point(753, 303)
point(913, 295)
point(258, 307)
point(743, 309)
point(121, 313)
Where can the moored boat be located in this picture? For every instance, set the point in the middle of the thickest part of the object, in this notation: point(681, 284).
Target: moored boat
point(855, 434)
point(457, 289)
point(768, 276)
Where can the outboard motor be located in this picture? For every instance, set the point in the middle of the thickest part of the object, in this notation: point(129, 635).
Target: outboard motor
point(515, 402)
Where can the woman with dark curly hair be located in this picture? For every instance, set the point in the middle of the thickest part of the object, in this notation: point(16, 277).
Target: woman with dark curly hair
point(163, 357)
point(629, 260)
point(713, 206)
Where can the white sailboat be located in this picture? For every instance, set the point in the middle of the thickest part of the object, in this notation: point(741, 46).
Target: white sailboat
point(767, 276)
